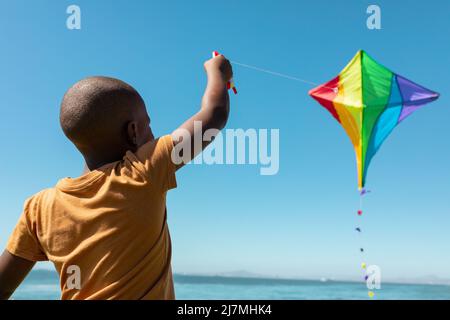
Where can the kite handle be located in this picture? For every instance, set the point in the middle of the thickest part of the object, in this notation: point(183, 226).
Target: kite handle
point(230, 84)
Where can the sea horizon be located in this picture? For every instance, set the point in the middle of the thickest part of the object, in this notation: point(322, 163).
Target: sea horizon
point(43, 284)
point(244, 274)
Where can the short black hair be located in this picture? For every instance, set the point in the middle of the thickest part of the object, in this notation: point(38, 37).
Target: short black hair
point(95, 110)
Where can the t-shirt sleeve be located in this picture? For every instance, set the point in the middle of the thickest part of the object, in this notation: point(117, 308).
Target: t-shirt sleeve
point(24, 241)
point(158, 165)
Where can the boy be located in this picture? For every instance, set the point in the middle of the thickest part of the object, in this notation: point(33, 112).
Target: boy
point(110, 223)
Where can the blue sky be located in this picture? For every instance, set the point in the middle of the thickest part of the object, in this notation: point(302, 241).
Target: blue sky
point(297, 223)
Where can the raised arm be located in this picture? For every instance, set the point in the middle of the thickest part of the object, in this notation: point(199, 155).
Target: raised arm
point(12, 272)
point(213, 113)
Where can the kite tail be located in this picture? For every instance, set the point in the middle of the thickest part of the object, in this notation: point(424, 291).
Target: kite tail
point(362, 193)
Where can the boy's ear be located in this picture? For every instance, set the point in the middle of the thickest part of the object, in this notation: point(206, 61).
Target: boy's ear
point(132, 133)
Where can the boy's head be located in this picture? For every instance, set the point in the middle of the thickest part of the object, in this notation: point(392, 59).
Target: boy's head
point(104, 117)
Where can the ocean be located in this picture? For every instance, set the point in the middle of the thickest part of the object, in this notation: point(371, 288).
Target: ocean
point(44, 285)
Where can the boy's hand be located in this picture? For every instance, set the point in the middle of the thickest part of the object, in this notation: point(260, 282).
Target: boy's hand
point(219, 64)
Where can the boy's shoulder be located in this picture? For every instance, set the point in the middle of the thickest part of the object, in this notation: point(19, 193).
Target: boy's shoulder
point(44, 194)
point(39, 200)
point(155, 156)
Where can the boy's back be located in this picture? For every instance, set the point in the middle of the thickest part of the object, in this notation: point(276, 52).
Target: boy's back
point(111, 223)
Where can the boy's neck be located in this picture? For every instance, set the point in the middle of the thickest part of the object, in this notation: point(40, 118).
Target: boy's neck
point(86, 169)
point(98, 159)
point(93, 165)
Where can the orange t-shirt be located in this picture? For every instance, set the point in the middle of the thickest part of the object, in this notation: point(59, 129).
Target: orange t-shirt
point(111, 223)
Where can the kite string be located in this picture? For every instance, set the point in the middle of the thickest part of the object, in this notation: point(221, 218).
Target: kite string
point(279, 74)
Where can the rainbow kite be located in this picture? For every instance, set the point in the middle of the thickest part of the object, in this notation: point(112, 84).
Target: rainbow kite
point(369, 101)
